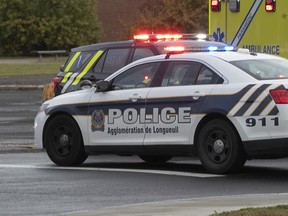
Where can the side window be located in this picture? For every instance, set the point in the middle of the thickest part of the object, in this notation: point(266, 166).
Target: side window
point(142, 53)
point(77, 60)
point(181, 73)
point(112, 60)
point(207, 76)
point(136, 77)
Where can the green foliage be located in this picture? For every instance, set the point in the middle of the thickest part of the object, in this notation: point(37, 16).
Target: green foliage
point(160, 16)
point(27, 25)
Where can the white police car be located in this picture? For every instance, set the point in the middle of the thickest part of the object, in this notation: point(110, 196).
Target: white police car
point(226, 107)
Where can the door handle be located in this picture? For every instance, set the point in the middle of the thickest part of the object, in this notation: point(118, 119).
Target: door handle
point(197, 94)
point(135, 97)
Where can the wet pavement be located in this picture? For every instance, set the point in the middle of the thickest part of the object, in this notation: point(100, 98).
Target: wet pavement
point(20, 99)
point(17, 112)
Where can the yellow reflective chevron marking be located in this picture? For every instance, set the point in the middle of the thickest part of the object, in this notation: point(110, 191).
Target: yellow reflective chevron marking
point(72, 61)
point(66, 77)
point(88, 66)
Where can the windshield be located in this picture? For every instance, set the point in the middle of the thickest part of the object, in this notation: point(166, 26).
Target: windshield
point(264, 69)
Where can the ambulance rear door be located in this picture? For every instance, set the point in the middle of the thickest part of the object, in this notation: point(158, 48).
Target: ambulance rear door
point(258, 25)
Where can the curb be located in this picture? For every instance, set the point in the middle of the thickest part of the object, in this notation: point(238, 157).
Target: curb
point(196, 206)
point(21, 87)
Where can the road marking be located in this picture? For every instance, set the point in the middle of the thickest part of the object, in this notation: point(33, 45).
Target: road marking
point(158, 172)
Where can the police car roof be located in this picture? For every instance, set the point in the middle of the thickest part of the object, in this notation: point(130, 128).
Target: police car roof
point(98, 46)
point(226, 56)
point(186, 43)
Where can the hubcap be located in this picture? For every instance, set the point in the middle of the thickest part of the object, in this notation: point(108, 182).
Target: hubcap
point(64, 140)
point(218, 146)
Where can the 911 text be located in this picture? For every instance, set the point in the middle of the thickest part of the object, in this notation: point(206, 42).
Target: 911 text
point(252, 122)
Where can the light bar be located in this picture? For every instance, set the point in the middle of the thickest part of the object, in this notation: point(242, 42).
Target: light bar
point(157, 37)
point(141, 37)
point(174, 49)
point(201, 36)
point(212, 48)
point(169, 37)
point(229, 48)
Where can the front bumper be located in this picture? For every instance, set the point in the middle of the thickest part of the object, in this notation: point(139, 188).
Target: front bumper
point(39, 124)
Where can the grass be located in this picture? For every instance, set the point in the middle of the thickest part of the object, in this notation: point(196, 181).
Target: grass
point(280, 210)
point(30, 66)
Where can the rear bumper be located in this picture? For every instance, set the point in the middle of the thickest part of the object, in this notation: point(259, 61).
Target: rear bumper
point(272, 148)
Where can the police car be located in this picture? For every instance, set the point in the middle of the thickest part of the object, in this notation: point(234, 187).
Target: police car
point(226, 107)
point(97, 61)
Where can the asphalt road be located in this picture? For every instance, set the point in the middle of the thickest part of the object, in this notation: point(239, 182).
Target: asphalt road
point(17, 112)
point(31, 185)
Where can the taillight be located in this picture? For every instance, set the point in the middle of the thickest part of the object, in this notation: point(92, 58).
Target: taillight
point(270, 5)
point(55, 82)
point(280, 96)
point(216, 5)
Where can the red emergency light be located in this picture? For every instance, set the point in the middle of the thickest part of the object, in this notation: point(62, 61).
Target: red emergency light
point(270, 5)
point(216, 5)
point(141, 37)
point(169, 37)
point(174, 49)
point(157, 37)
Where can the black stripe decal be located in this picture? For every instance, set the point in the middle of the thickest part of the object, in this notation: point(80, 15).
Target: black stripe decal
point(274, 111)
point(262, 106)
point(251, 100)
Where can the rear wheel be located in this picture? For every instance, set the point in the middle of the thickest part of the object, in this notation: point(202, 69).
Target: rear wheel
point(63, 142)
point(156, 158)
point(220, 148)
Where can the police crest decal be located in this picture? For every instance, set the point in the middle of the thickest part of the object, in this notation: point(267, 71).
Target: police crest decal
point(97, 121)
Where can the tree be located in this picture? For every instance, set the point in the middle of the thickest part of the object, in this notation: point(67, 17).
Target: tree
point(160, 16)
point(27, 25)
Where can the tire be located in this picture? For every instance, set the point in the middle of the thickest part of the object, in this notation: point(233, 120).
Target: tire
point(220, 148)
point(155, 158)
point(63, 142)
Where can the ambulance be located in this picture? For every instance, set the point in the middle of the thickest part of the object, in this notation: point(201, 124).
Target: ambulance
point(258, 25)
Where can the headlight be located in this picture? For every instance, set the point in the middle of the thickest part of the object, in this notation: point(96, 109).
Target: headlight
point(43, 107)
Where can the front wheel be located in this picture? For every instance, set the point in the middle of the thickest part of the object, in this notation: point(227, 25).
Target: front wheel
point(63, 141)
point(220, 148)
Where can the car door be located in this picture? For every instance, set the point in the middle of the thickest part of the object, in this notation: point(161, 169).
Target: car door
point(114, 114)
point(178, 103)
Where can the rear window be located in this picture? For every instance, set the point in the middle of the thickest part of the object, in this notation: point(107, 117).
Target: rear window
point(264, 69)
point(112, 60)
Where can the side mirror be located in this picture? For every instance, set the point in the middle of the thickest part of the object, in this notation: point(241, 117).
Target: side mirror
point(85, 84)
point(102, 86)
point(61, 68)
